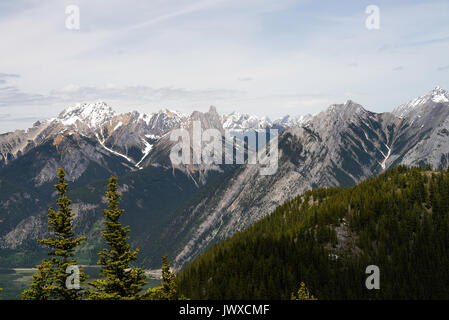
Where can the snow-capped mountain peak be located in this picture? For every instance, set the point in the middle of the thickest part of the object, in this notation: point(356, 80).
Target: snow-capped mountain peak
point(240, 122)
point(437, 95)
point(289, 121)
point(92, 114)
point(169, 115)
point(237, 121)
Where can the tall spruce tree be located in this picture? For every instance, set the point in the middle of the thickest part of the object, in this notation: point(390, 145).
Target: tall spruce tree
point(50, 282)
point(168, 290)
point(120, 280)
point(169, 287)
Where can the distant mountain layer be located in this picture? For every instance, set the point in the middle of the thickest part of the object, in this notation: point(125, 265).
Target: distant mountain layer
point(184, 209)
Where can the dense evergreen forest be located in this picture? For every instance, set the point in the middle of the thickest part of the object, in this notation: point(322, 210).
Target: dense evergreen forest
point(326, 238)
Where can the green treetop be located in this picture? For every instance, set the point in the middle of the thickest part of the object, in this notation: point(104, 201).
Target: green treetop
point(303, 293)
point(120, 280)
point(168, 290)
point(50, 280)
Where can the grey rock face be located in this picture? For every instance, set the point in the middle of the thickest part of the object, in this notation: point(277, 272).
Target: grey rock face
point(423, 137)
point(160, 154)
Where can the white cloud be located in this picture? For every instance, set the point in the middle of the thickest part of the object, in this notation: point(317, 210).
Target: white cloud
point(8, 75)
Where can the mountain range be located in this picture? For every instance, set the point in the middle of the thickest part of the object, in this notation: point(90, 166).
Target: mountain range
point(183, 210)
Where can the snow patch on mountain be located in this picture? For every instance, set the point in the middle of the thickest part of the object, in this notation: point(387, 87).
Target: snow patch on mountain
point(112, 151)
point(383, 164)
point(289, 121)
point(146, 152)
point(94, 115)
point(236, 121)
point(118, 125)
point(437, 95)
point(241, 122)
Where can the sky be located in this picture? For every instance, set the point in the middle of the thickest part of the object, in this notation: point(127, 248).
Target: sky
point(262, 57)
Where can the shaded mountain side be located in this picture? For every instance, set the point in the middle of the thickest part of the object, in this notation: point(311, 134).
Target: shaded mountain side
point(152, 197)
point(326, 238)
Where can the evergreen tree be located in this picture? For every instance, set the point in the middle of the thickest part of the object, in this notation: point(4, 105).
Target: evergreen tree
point(169, 287)
point(303, 293)
point(50, 281)
point(40, 286)
point(168, 290)
point(120, 280)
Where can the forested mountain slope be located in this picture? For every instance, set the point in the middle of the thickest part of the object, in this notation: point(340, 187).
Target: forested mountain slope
point(326, 238)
